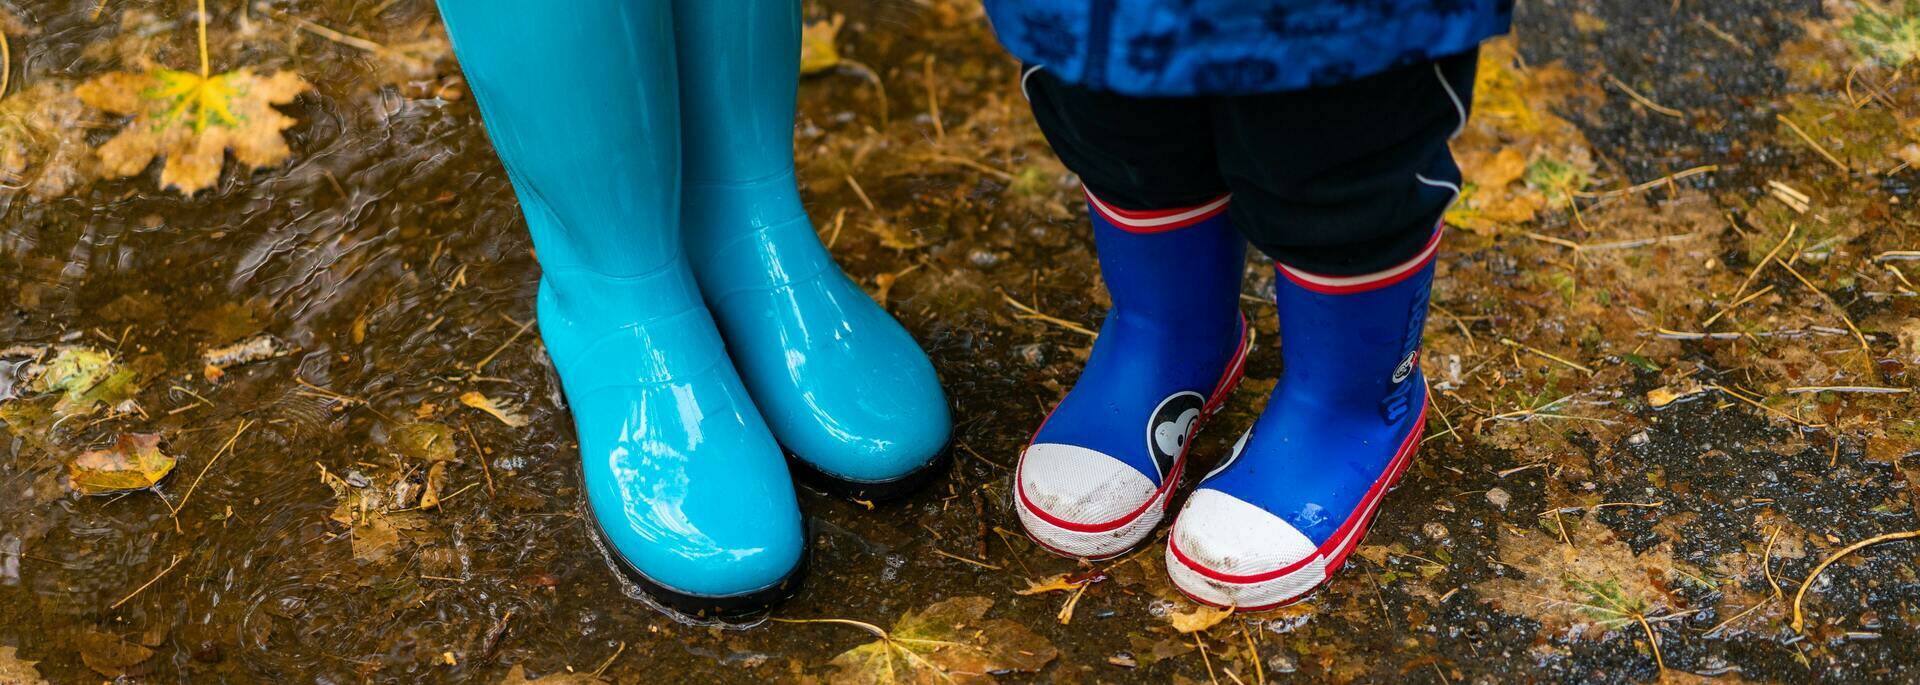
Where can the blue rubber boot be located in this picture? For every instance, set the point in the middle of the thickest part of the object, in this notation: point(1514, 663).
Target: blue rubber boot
point(687, 486)
point(843, 386)
point(1275, 520)
point(1096, 479)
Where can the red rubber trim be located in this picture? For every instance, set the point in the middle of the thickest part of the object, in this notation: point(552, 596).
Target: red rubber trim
point(1156, 220)
point(1344, 538)
point(1228, 379)
point(1347, 285)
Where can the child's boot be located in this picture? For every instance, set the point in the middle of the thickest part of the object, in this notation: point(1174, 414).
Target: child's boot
point(1277, 518)
point(1095, 479)
point(843, 386)
point(687, 488)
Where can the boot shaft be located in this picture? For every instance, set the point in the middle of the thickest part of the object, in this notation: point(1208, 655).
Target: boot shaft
point(1178, 269)
point(1355, 341)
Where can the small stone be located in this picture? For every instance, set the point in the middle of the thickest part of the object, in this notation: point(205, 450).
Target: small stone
point(1435, 531)
point(1499, 498)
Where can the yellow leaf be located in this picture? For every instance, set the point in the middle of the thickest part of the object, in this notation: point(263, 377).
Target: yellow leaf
point(1200, 618)
point(17, 671)
point(951, 641)
point(1061, 583)
point(817, 52)
point(486, 404)
point(192, 121)
point(135, 462)
point(1668, 394)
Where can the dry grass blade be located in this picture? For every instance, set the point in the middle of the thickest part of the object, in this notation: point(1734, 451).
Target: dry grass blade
point(1799, 622)
point(1037, 315)
point(143, 586)
point(1736, 305)
point(1756, 403)
point(1655, 183)
point(1810, 141)
point(1860, 389)
point(1509, 342)
point(244, 423)
point(6, 64)
point(1866, 349)
point(1643, 100)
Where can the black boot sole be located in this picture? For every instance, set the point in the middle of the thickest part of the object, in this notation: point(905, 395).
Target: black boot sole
point(873, 491)
point(706, 609)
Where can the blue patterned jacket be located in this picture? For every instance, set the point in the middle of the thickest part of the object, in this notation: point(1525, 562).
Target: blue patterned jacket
point(1236, 47)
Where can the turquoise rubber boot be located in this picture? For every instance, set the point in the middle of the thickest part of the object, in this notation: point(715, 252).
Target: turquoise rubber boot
point(688, 488)
point(845, 389)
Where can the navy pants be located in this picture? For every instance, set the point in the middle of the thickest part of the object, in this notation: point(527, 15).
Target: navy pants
point(1339, 180)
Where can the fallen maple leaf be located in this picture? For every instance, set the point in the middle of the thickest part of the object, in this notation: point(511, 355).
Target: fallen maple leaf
point(948, 642)
point(193, 120)
point(135, 462)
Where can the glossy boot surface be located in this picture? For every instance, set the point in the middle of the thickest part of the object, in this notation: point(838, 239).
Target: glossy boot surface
point(687, 488)
point(1276, 519)
point(1096, 478)
point(843, 386)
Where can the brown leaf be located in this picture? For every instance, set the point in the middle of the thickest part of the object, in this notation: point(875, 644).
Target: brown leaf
point(518, 676)
point(135, 462)
point(193, 121)
point(111, 656)
point(17, 671)
point(1200, 618)
point(817, 51)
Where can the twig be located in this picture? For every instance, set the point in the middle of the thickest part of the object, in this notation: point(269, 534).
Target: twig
point(480, 454)
point(6, 64)
point(933, 102)
point(1031, 313)
point(1654, 640)
point(1643, 100)
point(1203, 659)
point(1762, 407)
point(1755, 273)
point(609, 662)
point(860, 192)
point(149, 583)
point(1655, 183)
point(962, 559)
point(1837, 309)
point(1897, 255)
point(346, 39)
point(1736, 305)
point(1766, 563)
point(503, 346)
point(1575, 365)
point(1798, 619)
point(1810, 141)
point(1863, 389)
point(175, 510)
point(1259, 671)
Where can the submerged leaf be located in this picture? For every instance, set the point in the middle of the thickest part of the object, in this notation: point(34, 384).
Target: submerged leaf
point(135, 462)
point(17, 671)
point(518, 676)
point(1200, 618)
point(111, 656)
point(948, 642)
point(193, 121)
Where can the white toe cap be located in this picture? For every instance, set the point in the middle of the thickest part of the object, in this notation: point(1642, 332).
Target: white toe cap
point(1228, 552)
point(1083, 503)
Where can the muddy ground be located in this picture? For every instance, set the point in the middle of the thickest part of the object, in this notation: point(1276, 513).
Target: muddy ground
point(1671, 356)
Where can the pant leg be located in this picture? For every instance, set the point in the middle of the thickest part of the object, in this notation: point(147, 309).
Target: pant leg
point(1347, 179)
point(1132, 153)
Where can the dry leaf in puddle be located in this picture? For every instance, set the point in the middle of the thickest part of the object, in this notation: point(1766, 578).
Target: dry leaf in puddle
point(135, 462)
point(486, 404)
point(43, 140)
point(111, 656)
point(1200, 618)
point(1582, 589)
point(948, 642)
point(1065, 582)
point(436, 484)
point(17, 671)
point(817, 51)
point(193, 121)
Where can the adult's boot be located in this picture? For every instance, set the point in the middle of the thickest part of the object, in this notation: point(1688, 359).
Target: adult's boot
point(844, 388)
point(686, 485)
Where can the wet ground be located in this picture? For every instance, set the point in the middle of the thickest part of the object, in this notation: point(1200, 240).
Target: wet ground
point(1665, 394)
